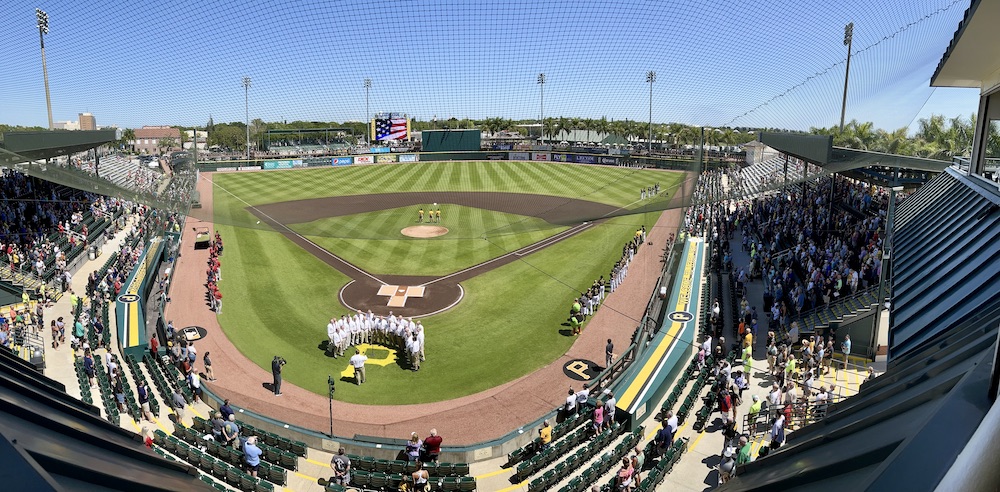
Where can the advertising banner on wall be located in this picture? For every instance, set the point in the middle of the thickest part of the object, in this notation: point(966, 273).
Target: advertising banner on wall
point(248, 168)
point(520, 156)
point(382, 159)
point(283, 164)
point(503, 146)
point(586, 159)
point(407, 157)
point(539, 156)
point(380, 150)
point(496, 156)
point(341, 161)
point(364, 159)
point(608, 160)
point(560, 158)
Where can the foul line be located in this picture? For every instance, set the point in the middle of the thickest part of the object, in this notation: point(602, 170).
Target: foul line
point(521, 252)
point(300, 236)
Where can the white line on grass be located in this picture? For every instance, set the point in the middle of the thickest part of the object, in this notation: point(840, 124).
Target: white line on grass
point(300, 236)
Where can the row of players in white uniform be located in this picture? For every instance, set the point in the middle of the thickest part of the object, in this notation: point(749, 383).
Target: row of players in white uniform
point(391, 330)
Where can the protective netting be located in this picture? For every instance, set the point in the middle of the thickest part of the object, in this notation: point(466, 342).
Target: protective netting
point(737, 67)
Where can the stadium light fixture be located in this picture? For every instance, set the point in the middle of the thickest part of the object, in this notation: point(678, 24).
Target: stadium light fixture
point(848, 41)
point(368, 85)
point(541, 111)
point(246, 107)
point(42, 19)
point(650, 78)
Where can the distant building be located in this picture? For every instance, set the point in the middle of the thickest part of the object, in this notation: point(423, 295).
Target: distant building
point(66, 125)
point(189, 137)
point(87, 122)
point(147, 139)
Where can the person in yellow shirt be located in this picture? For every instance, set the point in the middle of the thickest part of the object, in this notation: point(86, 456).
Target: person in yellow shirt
point(545, 435)
point(420, 215)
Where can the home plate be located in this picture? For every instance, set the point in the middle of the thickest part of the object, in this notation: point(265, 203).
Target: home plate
point(398, 294)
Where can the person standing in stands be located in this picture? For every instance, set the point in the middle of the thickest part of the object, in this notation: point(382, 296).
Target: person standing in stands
point(143, 394)
point(341, 466)
point(433, 446)
point(544, 436)
point(251, 453)
point(209, 374)
point(154, 345)
point(413, 447)
point(226, 410)
point(609, 353)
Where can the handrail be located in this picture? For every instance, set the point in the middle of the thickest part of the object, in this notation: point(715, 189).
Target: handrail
point(838, 302)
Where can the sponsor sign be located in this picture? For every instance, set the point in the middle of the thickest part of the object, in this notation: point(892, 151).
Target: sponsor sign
point(228, 169)
point(248, 168)
point(539, 156)
point(560, 158)
point(608, 160)
point(581, 369)
point(341, 161)
point(520, 156)
point(503, 146)
point(385, 158)
point(380, 150)
point(680, 316)
point(586, 159)
point(283, 164)
point(496, 156)
point(407, 157)
point(364, 159)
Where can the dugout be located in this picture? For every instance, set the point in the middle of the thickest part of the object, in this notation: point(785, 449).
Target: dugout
point(450, 140)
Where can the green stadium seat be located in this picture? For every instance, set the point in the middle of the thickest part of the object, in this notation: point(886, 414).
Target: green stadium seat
point(360, 478)
point(449, 484)
point(247, 483)
point(397, 466)
point(394, 480)
point(206, 463)
point(233, 476)
point(466, 484)
point(219, 469)
point(366, 463)
point(382, 466)
point(378, 480)
point(278, 475)
point(289, 461)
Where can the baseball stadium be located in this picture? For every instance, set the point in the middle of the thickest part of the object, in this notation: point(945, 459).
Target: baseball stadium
point(569, 246)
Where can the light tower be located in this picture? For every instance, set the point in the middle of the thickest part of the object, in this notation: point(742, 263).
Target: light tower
point(650, 78)
point(43, 29)
point(368, 86)
point(541, 111)
point(246, 106)
point(848, 40)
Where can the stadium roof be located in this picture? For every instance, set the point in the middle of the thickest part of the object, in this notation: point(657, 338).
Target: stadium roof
point(819, 150)
point(27, 146)
point(972, 56)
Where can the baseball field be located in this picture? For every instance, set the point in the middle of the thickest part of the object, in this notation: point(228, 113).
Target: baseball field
point(523, 239)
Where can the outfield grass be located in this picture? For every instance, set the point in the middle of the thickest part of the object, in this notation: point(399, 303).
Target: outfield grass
point(474, 235)
point(280, 297)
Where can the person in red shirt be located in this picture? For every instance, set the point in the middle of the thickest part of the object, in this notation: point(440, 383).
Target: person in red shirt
point(218, 301)
point(154, 345)
point(433, 446)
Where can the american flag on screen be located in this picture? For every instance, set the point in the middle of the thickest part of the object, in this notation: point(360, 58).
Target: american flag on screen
point(390, 129)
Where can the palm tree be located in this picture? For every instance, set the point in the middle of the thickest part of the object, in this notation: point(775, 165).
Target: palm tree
point(128, 135)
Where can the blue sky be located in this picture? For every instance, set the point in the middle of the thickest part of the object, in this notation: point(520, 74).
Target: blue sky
point(177, 62)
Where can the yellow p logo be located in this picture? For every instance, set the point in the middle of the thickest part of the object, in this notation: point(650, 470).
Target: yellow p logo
point(579, 368)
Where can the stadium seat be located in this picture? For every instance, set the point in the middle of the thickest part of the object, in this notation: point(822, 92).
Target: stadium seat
point(378, 480)
point(219, 469)
point(382, 466)
point(467, 484)
point(397, 466)
point(460, 469)
point(206, 463)
point(360, 478)
point(233, 476)
point(278, 475)
point(395, 480)
point(264, 486)
point(247, 483)
point(449, 484)
point(289, 461)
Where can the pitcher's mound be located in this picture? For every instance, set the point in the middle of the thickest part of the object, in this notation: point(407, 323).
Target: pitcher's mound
point(424, 231)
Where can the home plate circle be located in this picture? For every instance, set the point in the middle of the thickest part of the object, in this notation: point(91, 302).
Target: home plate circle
point(424, 231)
